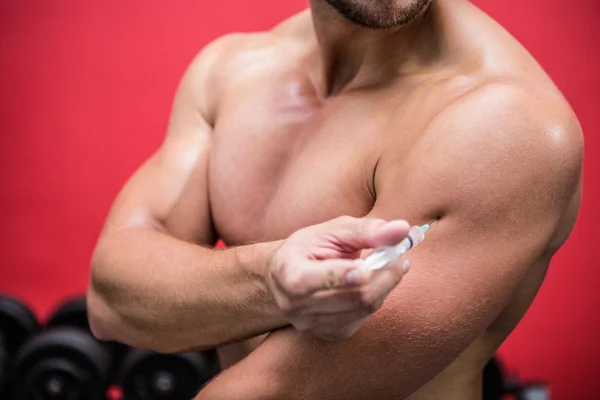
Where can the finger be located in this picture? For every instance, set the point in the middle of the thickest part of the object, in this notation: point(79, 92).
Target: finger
point(390, 234)
point(361, 233)
point(333, 301)
point(338, 332)
point(367, 297)
point(332, 325)
point(384, 280)
point(313, 276)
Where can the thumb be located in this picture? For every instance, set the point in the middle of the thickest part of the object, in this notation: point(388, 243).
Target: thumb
point(362, 233)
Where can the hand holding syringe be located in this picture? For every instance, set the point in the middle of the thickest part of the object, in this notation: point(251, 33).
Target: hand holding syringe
point(389, 255)
point(315, 285)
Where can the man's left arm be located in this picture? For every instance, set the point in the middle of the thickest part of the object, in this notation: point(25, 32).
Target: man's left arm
point(498, 185)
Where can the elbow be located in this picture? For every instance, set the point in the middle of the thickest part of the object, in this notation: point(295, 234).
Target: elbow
point(106, 324)
point(100, 284)
point(101, 317)
point(103, 303)
point(99, 330)
point(118, 309)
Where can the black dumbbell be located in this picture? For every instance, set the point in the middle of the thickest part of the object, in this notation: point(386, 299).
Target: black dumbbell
point(3, 367)
point(147, 375)
point(17, 324)
point(496, 385)
point(493, 380)
point(65, 361)
point(530, 390)
point(72, 314)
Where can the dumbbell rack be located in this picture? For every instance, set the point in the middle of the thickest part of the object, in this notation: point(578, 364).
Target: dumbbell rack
point(64, 360)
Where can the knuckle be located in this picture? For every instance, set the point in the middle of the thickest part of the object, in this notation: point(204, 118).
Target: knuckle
point(294, 285)
point(291, 282)
point(334, 279)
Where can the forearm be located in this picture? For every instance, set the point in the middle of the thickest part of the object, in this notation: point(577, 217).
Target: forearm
point(244, 382)
point(151, 290)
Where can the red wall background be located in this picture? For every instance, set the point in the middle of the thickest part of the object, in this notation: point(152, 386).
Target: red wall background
point(85, 92)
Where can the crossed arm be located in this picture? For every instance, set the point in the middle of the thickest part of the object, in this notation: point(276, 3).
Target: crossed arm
point(499, 177)
point(497, 172)
point(156, 282)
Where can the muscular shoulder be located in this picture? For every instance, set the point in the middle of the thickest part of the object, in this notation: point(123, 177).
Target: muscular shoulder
point(238, 57)
point(506, 120)
point(498, 151)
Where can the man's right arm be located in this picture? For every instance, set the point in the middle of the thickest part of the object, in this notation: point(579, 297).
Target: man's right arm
point(154, 283)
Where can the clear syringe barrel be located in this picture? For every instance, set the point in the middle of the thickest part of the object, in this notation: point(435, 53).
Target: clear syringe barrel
point(387, 255)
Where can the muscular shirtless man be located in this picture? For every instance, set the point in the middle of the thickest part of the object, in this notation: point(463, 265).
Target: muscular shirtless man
point(306, 146)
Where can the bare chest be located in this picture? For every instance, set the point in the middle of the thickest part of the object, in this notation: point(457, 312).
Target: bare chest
point(278, 164)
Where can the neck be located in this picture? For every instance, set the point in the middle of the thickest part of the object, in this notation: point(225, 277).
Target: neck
point(353, 57)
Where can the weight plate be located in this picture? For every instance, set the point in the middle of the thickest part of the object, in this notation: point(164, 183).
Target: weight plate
point(493, 380)
point(17, 323)
point(154, 376)
point(54, 349)
point(3, 367)
point(71, 312)
point(57, 379)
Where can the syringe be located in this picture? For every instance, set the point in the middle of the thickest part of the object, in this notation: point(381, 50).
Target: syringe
point(389, 255)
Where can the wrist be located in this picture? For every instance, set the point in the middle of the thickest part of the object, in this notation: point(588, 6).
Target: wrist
point(254, 262)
